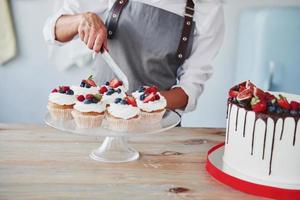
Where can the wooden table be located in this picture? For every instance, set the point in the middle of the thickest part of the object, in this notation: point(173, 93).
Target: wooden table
point(38, 162)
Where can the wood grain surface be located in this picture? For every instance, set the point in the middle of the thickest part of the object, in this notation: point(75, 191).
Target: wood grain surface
point(38, 162)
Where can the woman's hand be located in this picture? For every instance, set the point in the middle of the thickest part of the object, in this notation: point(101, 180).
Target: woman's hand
point(92, 31)
point(89, 26)
point(176, 98)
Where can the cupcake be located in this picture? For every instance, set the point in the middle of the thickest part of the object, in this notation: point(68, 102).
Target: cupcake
point(123, 114)
point(61, 102)
point(89, 111)
point(112, 90)
point(152, 104)
point(87, 86)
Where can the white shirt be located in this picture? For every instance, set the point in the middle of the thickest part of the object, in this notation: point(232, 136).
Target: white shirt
point(208, 37)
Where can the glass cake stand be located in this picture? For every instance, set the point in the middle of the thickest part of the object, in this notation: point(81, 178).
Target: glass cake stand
point(115, 148)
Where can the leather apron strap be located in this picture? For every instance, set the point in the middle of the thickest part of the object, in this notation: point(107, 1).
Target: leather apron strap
point(114, 15)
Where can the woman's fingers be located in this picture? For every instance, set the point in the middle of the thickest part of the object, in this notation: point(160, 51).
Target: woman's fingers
point(86, 35)
point(92, 38)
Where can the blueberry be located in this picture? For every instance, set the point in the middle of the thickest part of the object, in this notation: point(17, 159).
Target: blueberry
point(82, 84)
point(124, 102)
point(279, 110)
point(142, 97)
point(94, 100)
point(118, 100)
point(111, 90)
point(269, 103)
point(142, 89)
point(107, 83)
point(108, 93)
point(87, 101)
point(87, 86)
point(119, 91)
point(70, 92)
point(271, 108)
point(285, 111)
point(294, 112)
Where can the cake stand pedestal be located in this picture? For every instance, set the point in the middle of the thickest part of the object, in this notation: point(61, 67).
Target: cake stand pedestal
point(115, 148)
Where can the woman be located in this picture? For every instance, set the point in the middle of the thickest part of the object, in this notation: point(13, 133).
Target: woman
point(167, 43)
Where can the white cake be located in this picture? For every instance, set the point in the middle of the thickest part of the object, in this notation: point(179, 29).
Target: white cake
point(263, 147)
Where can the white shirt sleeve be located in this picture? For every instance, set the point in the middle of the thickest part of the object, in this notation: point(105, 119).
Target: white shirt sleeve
point(197, 69)
point(70, 7)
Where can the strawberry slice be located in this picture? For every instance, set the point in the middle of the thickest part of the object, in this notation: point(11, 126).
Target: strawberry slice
point(261, 106)
point(233, 93)
point(295, 105)
point(283, 103)
point(91, 82)
point(242, 88)
point(103, 89)
point(150, 97)
point(114, 83)
point(131, 101)
point(269, 96)
point(152, 89)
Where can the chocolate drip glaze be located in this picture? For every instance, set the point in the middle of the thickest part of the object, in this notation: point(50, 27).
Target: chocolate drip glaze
point(272, 147)
point(282, 128)
point(237, 118)
point(228, 125)
point(244, 131)
point(264, 117)
point(295, 130)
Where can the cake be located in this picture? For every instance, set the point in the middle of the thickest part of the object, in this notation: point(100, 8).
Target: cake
point(123, 114)
point(87, 86)
point(151, 102)
point(111, 90)
point(89, 111)
point(61, 102)
point(262, 137)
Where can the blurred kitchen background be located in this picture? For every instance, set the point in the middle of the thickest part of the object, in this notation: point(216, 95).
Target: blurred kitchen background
point(262, 43)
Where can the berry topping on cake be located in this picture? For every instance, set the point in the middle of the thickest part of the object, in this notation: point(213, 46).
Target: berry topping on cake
point(152, 89)
point(258, 105)
point(128, 100)
point(103, 89)
point(63, 90)
point(283, 103)
point(89, 98)
point(150, 97)
point(250, 97)
point(114, 83)
point(131, 101)
point(88, 82)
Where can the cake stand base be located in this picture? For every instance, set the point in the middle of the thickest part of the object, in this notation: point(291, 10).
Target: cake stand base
point(114, 150)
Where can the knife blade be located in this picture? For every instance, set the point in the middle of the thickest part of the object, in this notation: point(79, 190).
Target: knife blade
point(115, 68)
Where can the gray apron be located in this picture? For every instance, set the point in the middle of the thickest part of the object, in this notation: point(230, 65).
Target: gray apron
point(144, 46)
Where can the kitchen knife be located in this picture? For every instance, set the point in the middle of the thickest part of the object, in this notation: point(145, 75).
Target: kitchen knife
point(115, 68)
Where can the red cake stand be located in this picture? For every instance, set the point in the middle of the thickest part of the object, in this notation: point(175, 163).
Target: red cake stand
point(214, 168)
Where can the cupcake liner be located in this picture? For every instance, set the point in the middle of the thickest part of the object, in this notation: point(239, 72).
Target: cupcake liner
point(152, 117)
point(87, 121)
point(60, 114)
point(122, 125)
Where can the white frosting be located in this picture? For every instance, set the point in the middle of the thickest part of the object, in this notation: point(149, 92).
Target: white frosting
point(136, 94)
point(83, 91)
point(152, 105)
point(62, 99)
point(123, 111)
point(93, 107)
point(238, 160)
